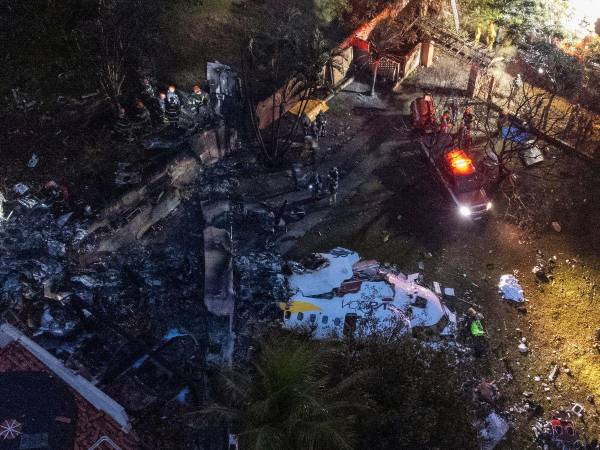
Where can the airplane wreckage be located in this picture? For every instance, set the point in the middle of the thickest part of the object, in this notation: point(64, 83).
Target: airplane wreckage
point(334, 293)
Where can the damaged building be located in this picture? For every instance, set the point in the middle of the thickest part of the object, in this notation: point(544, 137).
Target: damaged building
point(47, 406)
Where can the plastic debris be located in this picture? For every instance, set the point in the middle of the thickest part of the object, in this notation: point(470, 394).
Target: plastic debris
point(493, 432)
point(86, 280)
point(578, 410)
point(556, 227)
point(172, 334)
point(20, 188)
point(553, 373)
point(511, 289)
point(33, 161)
point(62, 220)
point(523, 348)
point(182, 395)
point(56, 248)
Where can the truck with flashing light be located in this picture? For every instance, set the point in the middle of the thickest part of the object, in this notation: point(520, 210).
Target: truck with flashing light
point(453, 166)
point(457, 173)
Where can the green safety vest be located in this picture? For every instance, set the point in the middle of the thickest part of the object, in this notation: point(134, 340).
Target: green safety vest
point(477, 328)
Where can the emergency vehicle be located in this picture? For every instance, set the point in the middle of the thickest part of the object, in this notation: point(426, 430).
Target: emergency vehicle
point(457, 173)
point(453, 166)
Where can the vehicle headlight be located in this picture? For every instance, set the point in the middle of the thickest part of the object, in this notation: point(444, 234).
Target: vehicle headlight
point(464, 211)
point(488, 206)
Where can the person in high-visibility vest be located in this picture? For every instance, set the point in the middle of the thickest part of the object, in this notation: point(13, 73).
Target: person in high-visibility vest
point(478, 33)
point(491, 35)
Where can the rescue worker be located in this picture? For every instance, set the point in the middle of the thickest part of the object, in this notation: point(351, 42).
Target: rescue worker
point(123, 126)
point(463, 137)
point(162, 107)
point(320, 122)
point(333, 181)
point(454, 110)
point(142, 116)
point(306, 126)
point(173, 109)
point(172, 96)
point(316, 186)
point(501, 122)
point(445, 122)
point(478, 34)
point(518, 81)
point(490, 38)
point(148, 89)
point(573, 119)
point(198, 100)
point(468, 117)
point(517, 84)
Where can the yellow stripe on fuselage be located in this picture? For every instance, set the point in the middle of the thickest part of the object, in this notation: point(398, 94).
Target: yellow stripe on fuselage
point(294, 306)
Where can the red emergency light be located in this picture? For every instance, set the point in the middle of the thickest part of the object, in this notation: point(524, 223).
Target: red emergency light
point(459, 162)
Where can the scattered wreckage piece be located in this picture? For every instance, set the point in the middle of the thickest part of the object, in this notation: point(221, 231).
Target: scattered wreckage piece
point(218, 270)
point(132, 215)
point(494, 429)
point(334, 292)
point(558, 432)
point(219, 295)
point(510, 289)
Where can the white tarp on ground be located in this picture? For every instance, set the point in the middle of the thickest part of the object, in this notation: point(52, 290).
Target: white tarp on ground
point(325, 279)
point(511, 289)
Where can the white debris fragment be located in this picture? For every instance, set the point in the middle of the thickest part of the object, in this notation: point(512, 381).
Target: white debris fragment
point(325, 279)
point(553, 373)
point(511, 289)
point(449, 292)
point(20, 188)
point(578, 410)
point(33, 161)
point(494, 430)
point(86, 280)
point(556, 227)
point(523, 348)
point(437, 288)
point(62, 220)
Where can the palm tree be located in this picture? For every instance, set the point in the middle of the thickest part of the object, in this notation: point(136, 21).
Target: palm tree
point(286, 403)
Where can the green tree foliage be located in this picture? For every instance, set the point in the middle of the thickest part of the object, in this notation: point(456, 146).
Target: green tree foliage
point(329, 10)
point(412, 394)
point(381, 391)
point(287, 52)
point(519, 17)
point(37, 47)
point(52, 47)
point(283, 404)
point(558, 72)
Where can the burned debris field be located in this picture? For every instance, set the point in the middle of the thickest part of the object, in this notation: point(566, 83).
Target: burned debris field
point(325, 224)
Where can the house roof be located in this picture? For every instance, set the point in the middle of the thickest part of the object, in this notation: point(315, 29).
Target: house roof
point(97, 421)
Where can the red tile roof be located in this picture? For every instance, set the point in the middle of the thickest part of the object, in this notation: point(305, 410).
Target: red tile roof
point(92, 424)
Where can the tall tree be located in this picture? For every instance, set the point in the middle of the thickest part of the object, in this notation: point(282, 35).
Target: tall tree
point(283, 403)
point(289, 54)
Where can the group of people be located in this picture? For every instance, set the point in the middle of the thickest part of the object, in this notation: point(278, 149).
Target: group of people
point(314, 129)
point(332, 181)
point(449, 119)
point(162, 109)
